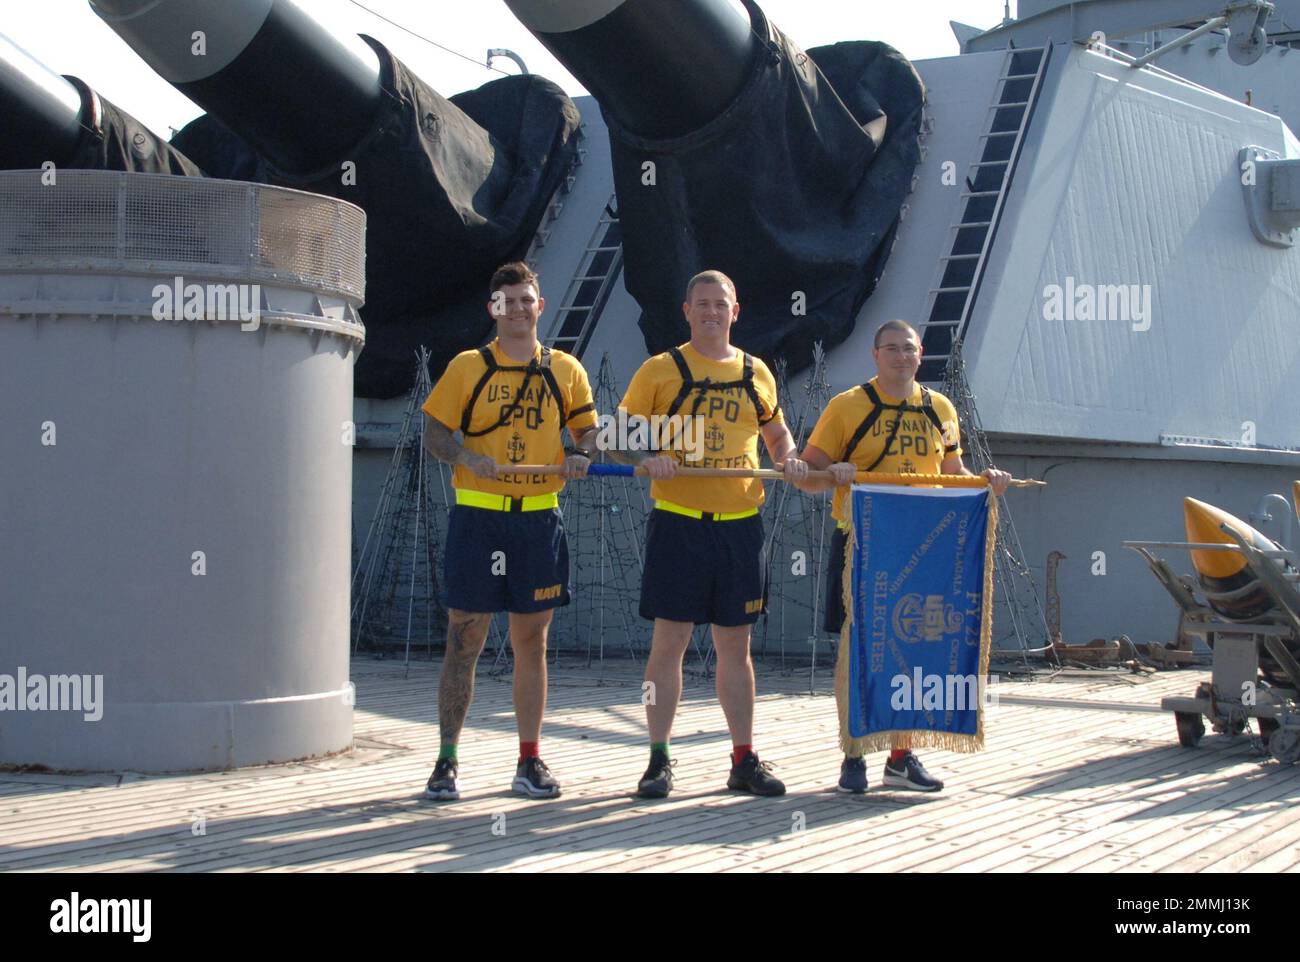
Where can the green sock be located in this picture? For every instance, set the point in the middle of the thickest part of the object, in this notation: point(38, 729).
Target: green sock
point(660, 747)
point(447, 751)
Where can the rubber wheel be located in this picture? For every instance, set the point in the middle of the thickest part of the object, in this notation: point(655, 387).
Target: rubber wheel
point(1284, 745)
point(1190, 728)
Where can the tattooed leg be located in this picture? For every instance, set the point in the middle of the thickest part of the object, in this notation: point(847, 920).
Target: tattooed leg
point(466, 634)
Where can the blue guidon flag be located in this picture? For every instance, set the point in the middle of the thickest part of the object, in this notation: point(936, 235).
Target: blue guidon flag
point(918, 589)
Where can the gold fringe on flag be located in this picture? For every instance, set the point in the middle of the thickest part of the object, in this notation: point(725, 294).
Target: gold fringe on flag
point(912, 738)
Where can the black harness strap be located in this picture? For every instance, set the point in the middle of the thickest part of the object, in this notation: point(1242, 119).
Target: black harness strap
point(748, 380)
point(689, 384)
point(543, 369)
point(489, 368)
point(877, 407)
point(548, 376)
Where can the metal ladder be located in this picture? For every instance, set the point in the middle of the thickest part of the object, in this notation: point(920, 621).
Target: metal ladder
point(589, 290)
point(543, 232)
point(951, 301)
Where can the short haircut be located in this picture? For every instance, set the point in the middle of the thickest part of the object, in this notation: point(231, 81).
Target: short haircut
point(710, 277)
point(516, 272)
point(895, 326)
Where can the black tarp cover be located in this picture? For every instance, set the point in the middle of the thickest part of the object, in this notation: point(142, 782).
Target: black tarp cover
point(114, 140)
point(791, 189)
point(451, 188)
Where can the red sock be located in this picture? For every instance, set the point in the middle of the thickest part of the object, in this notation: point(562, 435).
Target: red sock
point(528, 750)
point(898, 754)
point(738, 753)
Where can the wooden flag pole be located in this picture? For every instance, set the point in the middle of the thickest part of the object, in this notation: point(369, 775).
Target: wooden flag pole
point(769, 474)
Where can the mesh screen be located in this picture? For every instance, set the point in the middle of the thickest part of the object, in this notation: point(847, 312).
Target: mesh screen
point(150, 223)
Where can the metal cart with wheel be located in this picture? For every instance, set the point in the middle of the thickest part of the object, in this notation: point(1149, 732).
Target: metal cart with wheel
point(1255, 673)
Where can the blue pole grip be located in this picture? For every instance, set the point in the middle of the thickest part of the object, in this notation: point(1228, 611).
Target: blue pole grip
point(615, 470)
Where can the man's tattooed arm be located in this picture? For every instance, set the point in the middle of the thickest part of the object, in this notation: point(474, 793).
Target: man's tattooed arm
point(442, 444)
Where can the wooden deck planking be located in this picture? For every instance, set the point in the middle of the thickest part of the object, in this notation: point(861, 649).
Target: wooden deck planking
point(1174, 820)
point(917, 815)
point(1118, 820)
point(349, 790)
point(1264, 851)
point(700, 784)
point(1070, 811)
point(1097, 808)
point(1058, 788)
point(903, 800)
point(1001, 788)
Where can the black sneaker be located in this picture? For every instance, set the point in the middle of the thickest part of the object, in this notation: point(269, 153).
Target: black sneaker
point(534, 779)
point(909, 773)
point(752, 776)
point(442, 783)
point(853, 776)
point(657, 781)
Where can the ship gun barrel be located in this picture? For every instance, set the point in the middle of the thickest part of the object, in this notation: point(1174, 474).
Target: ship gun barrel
point(62, 121)
point(451, 187)
point(300, 95)
point(703, 99)
point(42, 112)
point(662, 68)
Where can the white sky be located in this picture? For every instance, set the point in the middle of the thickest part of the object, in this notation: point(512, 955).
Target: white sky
point(68, 38)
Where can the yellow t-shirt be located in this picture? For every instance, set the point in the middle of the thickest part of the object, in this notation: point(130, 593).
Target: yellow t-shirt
point(725, 436)
point(918, 448)
point(532, 436)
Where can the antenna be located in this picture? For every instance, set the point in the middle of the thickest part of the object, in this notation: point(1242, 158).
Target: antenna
point(509, 55)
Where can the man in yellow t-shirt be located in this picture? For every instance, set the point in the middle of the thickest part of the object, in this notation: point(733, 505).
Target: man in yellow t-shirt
point(506, 548)
point(894, 425)
point(704, 558)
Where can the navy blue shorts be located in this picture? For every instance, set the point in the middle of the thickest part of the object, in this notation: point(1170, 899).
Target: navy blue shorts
point(706, 572)
point(515, 561)
point(834, 620)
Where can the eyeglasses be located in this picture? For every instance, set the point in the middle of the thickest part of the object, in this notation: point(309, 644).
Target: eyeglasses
point(907, 350)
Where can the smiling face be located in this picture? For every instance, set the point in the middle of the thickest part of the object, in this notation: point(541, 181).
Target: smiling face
point(516, 308)
point(711, 310)
point(898, 355)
